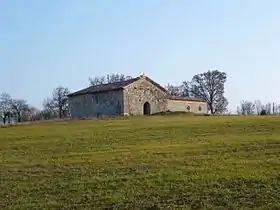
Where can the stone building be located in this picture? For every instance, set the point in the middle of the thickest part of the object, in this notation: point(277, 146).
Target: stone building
point(137, 96)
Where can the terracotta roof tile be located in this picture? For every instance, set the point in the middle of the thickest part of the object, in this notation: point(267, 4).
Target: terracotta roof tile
point(104, 87)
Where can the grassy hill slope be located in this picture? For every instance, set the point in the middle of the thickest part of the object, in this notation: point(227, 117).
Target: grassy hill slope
point(151, 162)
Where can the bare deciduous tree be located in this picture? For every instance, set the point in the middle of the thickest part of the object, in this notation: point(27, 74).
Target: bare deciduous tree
point(58, 104)
point(60, 100)
point(18, 108)
point(97, 80)
point(268, 108)
point(182, 90)
point(109, 78)
point(246, 108)
point(275, 110)
point(174, 90)
point(221, 105)
point(186, 89)
point(31, 114)
point(48, 106)
point(210, 86)
point(5, 107)
point(249, 108)
point(258, 107)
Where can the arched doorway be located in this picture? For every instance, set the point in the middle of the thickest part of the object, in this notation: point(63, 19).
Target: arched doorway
point(147, 108)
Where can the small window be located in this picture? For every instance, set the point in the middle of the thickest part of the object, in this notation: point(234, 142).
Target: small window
point(199, 108)
point(188, 108)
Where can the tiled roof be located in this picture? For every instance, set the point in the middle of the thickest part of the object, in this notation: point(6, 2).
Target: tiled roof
point(179, 98)
point(105, 87)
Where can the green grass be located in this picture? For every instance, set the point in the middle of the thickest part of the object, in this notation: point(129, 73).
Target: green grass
point(149, 162)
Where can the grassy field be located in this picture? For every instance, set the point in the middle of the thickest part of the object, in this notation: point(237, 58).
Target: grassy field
point(150, 162)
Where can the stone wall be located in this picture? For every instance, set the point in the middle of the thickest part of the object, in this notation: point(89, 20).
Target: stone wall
point(191, 106)
point(92, 105)
point(130, 101)
point(140, 92)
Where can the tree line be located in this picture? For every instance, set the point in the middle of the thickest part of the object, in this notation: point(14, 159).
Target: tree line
point(257, 108)
point(208, 86)
point(18, 110)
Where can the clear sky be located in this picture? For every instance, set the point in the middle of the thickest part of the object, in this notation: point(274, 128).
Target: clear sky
point(46, 43)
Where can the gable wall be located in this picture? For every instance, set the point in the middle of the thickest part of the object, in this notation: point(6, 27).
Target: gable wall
point(92, 105)
point(141, 91)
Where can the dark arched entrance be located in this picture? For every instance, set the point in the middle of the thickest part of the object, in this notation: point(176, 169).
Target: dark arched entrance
point(147, 108)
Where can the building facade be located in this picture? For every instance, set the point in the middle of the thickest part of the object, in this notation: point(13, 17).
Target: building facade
point(137, 96)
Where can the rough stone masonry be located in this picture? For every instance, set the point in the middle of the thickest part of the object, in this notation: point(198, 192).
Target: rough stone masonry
point(137, 96)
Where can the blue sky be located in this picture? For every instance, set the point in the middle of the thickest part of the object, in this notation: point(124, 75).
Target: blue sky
point(48, 43)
